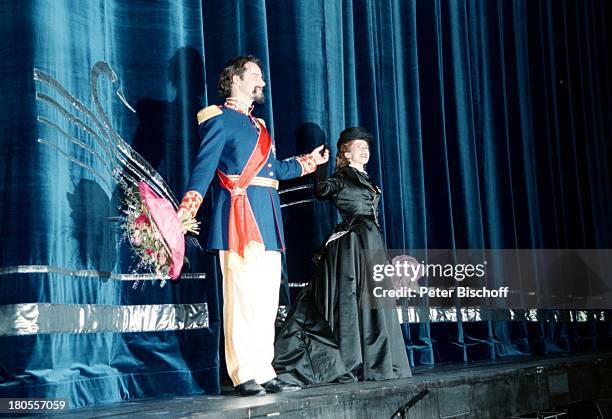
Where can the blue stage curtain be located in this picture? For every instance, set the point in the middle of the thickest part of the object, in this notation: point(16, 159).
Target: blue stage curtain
point(492, 121)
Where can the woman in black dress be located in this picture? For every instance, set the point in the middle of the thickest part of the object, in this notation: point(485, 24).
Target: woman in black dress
point(337, 331)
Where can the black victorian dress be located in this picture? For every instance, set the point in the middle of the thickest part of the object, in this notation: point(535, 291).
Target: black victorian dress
point(337, 331)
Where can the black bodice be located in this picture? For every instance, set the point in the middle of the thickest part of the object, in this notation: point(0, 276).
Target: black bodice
point(355, 194)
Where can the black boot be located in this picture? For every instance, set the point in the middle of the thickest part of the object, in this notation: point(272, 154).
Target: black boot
point(250, 388)
point(276, 386)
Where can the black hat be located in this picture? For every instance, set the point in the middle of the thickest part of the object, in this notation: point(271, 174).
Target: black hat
point(354, 133)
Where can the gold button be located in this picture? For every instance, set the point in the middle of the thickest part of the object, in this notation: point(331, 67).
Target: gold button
point(271, 173)
point(269, 164)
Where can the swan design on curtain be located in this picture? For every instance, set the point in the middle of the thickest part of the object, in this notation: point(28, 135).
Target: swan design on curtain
point(106, 155)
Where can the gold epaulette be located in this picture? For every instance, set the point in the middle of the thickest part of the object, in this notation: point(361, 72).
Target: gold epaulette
point(208, 112)
point(261, 121)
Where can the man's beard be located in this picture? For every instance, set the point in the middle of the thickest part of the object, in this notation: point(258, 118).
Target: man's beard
point(258, 97)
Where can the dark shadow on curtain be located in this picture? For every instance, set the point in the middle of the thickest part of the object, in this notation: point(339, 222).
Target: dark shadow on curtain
point(165, 125)
point(308, 223)
point(91, 227)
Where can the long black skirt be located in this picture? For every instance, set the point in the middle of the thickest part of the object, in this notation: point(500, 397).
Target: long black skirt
point(337, 331)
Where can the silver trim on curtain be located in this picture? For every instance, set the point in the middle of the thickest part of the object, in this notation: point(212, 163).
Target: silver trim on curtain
point(28, 269)
point(38, 318)
point(475, 314)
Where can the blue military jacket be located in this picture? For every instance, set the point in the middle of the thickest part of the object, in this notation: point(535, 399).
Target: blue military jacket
point(227, 141)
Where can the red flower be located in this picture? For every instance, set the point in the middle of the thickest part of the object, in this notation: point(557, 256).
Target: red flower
point(149, 251)
point(142, 219)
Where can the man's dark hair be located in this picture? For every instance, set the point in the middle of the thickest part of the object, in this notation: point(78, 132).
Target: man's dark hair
point(235, 67)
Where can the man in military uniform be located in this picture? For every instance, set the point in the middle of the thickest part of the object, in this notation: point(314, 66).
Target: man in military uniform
point(246, 224)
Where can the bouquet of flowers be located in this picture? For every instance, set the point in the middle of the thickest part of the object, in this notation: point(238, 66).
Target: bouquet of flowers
point(155, 232)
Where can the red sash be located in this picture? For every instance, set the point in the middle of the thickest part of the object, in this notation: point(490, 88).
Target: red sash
point(243, 227)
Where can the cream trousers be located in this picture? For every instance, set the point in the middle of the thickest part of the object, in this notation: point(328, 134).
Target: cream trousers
point(250, 305)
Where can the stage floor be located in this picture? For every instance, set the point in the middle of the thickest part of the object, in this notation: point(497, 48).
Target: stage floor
point(502, 389)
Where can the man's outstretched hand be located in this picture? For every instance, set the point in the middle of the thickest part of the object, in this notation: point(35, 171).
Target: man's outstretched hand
point(320, 154)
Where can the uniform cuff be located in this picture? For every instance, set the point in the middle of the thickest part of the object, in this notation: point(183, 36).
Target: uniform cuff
point(308, 163)
point(191, 202)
